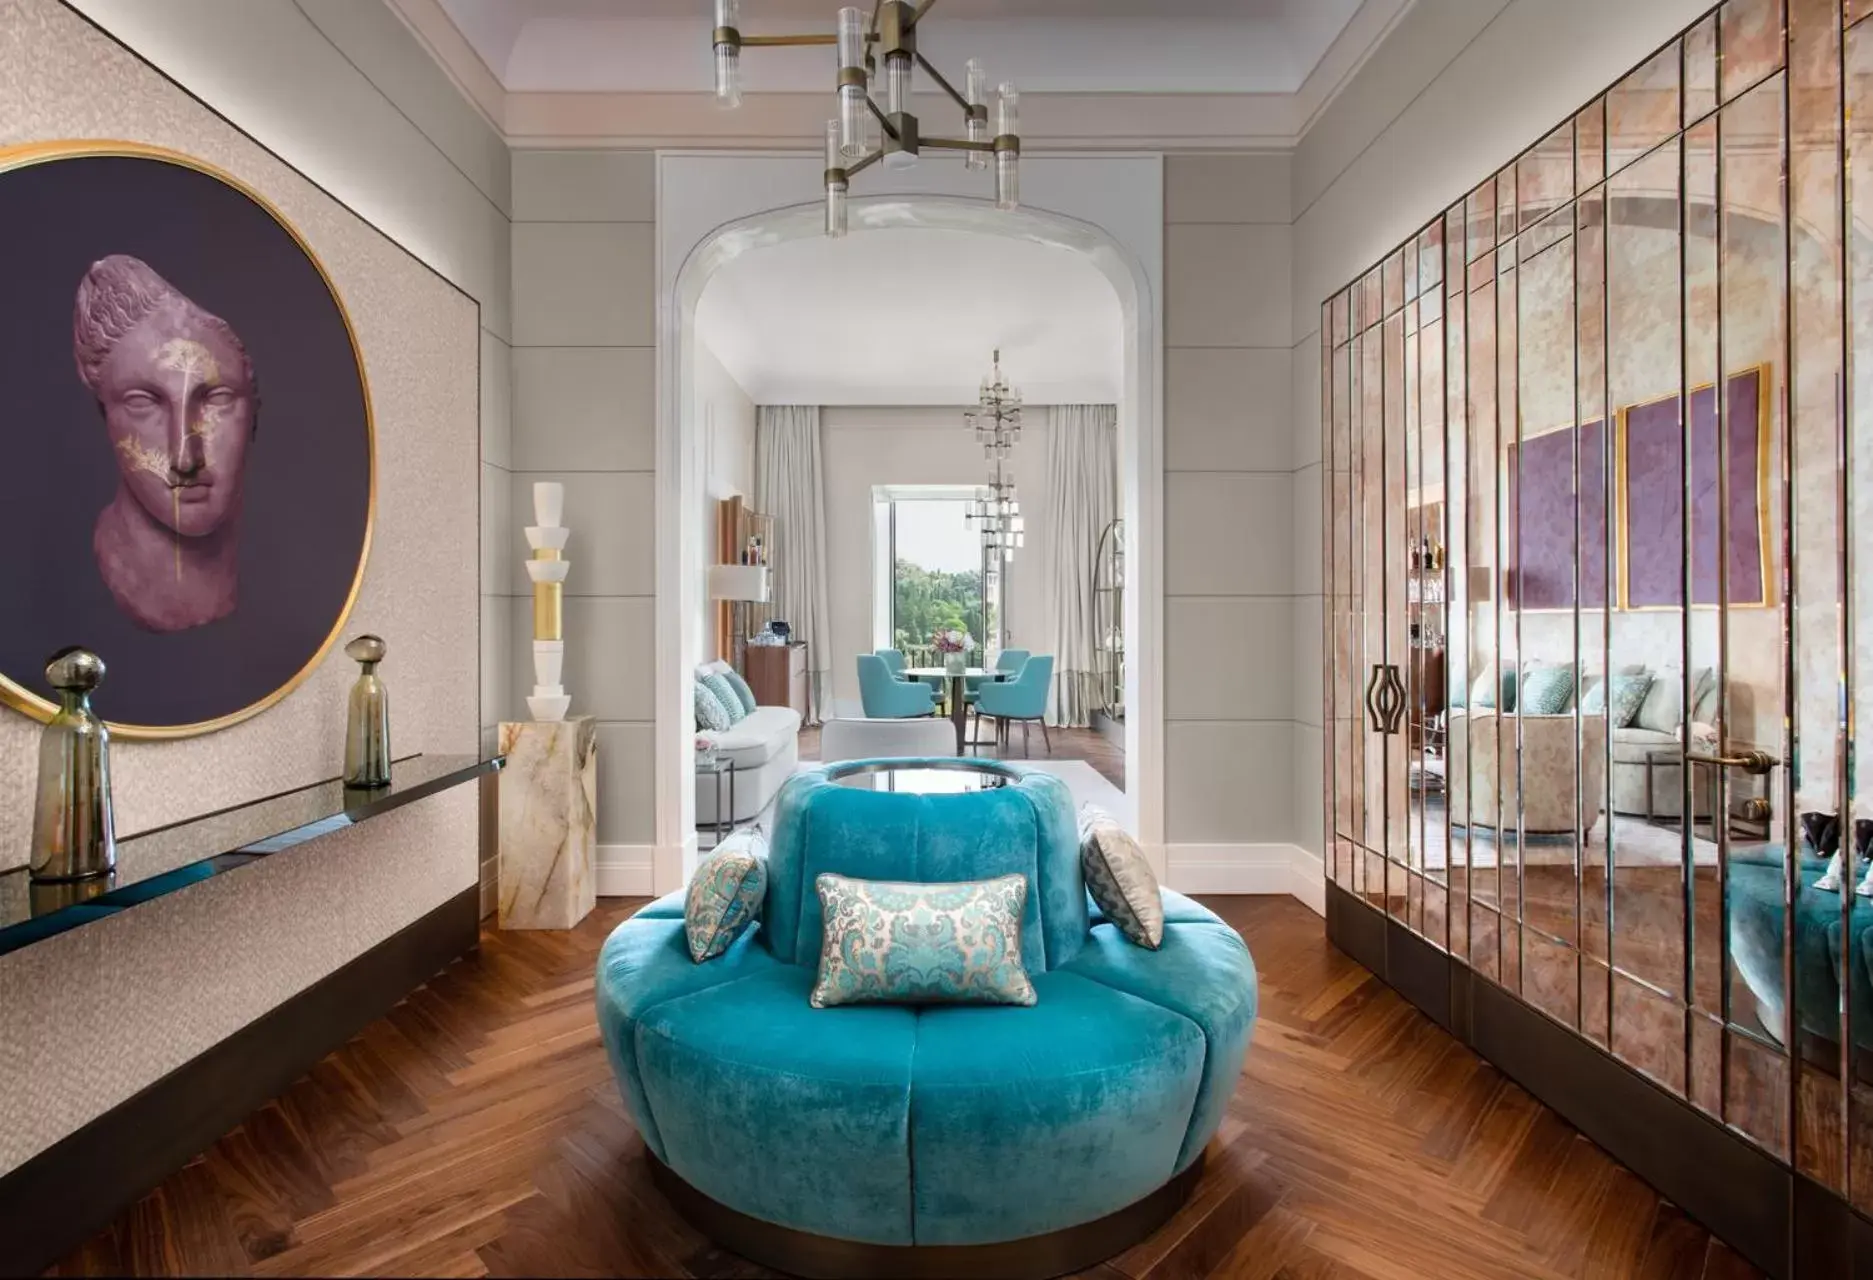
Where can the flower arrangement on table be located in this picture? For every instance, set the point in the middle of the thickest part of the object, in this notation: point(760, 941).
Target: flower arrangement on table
point(955, 646)
point(705, 748)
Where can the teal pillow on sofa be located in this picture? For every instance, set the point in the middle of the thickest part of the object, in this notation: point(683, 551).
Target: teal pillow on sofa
point(725, 694)
point(1544, 691)
point(710, 713)
point(742, 691)
point(892, 942)
point(1629, 690)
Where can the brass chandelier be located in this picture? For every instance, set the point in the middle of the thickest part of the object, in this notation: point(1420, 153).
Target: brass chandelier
point(850, 144)
point(996, 421)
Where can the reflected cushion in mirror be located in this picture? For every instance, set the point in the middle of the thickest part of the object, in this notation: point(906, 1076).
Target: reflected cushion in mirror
point(1545, 690)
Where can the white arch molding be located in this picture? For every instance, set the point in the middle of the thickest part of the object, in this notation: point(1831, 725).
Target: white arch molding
point(713, 206)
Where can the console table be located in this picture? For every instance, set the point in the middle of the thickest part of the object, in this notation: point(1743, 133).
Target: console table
point(154, 863)
point(120, 1155)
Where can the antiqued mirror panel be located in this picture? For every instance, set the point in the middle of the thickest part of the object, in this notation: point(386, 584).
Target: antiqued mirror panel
point(1599, 445)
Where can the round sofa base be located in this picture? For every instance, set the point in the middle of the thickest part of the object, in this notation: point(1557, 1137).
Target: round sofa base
point(802, 1253)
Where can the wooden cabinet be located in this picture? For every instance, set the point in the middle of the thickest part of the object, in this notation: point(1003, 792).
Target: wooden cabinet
point(777, 674)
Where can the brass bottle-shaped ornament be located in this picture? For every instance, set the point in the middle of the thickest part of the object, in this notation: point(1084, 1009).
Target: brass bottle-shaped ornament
point(73, 835)
point(367, 730)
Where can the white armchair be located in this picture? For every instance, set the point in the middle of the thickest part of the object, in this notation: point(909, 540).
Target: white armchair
point(1481, 771)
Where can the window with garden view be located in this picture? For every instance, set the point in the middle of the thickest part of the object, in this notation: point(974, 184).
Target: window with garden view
point(937, 579)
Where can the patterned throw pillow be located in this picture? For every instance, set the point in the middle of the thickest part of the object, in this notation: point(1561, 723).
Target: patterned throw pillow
point(1120, 879)
point(725, 694)
point(897, 943)
point(1544, 691)
point(710, 713)
point(725, 895)
point(1629, 694)
point(742, 691)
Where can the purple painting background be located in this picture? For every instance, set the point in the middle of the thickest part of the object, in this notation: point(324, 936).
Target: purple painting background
point(1541, 512)
point(308, 469)
point(1654, 498)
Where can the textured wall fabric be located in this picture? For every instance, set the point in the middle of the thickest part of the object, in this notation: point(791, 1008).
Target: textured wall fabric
point(93, 1016)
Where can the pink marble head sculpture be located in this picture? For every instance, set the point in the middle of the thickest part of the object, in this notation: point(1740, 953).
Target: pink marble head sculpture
point(177, 392)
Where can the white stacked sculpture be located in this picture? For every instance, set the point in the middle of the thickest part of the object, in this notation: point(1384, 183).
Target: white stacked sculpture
point(548, 569)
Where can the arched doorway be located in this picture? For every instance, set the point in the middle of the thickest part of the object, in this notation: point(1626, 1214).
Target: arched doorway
point(717, 208)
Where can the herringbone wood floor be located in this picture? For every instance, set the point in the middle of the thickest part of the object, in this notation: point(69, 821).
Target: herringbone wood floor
point(476, 1131)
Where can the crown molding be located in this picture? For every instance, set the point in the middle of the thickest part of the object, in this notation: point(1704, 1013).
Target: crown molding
point(474, 79)
point(1059, 121)
point(1356, 43)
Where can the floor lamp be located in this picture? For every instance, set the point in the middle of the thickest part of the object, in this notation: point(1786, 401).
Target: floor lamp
point(742, 584)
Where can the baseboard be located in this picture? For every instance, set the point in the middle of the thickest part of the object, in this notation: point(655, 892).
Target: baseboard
point(1247, 868)
point(56, 1200)
point(625, 870)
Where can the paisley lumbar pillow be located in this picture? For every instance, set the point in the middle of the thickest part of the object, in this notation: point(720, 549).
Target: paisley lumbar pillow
point(1120, 879)
point(725, 895)
point(889, 942)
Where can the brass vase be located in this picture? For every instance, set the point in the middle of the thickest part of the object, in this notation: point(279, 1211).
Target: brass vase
point(367, 729)
point(73, 835)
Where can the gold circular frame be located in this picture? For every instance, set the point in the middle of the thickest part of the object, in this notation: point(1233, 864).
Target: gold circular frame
point(23, 700)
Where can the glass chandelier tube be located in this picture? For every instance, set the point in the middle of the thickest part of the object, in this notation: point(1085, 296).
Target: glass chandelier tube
point(1008, 163)
point(852, 109)
point(975, 93)
point(728, 56)
point(897, 91)
point(836, 188)
point(897, 84)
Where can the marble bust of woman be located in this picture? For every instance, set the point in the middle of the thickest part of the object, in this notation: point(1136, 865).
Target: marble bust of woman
point(178, 397)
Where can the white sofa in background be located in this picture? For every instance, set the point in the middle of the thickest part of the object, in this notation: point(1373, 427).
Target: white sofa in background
point(765, 746)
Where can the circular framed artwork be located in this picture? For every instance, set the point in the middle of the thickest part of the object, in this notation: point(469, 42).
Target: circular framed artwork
point(188, 436)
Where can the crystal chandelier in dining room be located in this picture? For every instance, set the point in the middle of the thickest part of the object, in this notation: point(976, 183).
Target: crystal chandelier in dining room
point(853, 140)
point(996, 421)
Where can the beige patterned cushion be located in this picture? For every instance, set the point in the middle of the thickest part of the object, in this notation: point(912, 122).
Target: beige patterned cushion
point(1120, 879)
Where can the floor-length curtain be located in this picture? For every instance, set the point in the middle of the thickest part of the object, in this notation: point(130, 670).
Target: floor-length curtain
point(790, 485)
point(1082, 499)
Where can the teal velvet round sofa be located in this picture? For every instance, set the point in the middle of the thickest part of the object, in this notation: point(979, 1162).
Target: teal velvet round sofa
point(931, 1139)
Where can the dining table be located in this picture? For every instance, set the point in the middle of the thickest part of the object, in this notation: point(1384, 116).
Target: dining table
point(958, 687)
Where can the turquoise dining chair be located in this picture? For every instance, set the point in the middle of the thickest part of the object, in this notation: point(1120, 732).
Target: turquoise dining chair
point(1009, 662)
point(886, 698)
point(1022, 699)
point(894, 659)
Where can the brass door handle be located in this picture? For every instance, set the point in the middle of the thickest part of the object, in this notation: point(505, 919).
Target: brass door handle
point(1385, 698)
point(1392, 698)
point(1756, 762)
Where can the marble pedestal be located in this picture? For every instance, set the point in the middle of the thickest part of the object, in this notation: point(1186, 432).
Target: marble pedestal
point(549, 822)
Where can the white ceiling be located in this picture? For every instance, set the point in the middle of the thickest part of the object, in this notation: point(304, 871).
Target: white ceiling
point(910, 317)
point(1048, 46)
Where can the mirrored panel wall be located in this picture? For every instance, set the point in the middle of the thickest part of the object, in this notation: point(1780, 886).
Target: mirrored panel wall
point(1598, 443)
